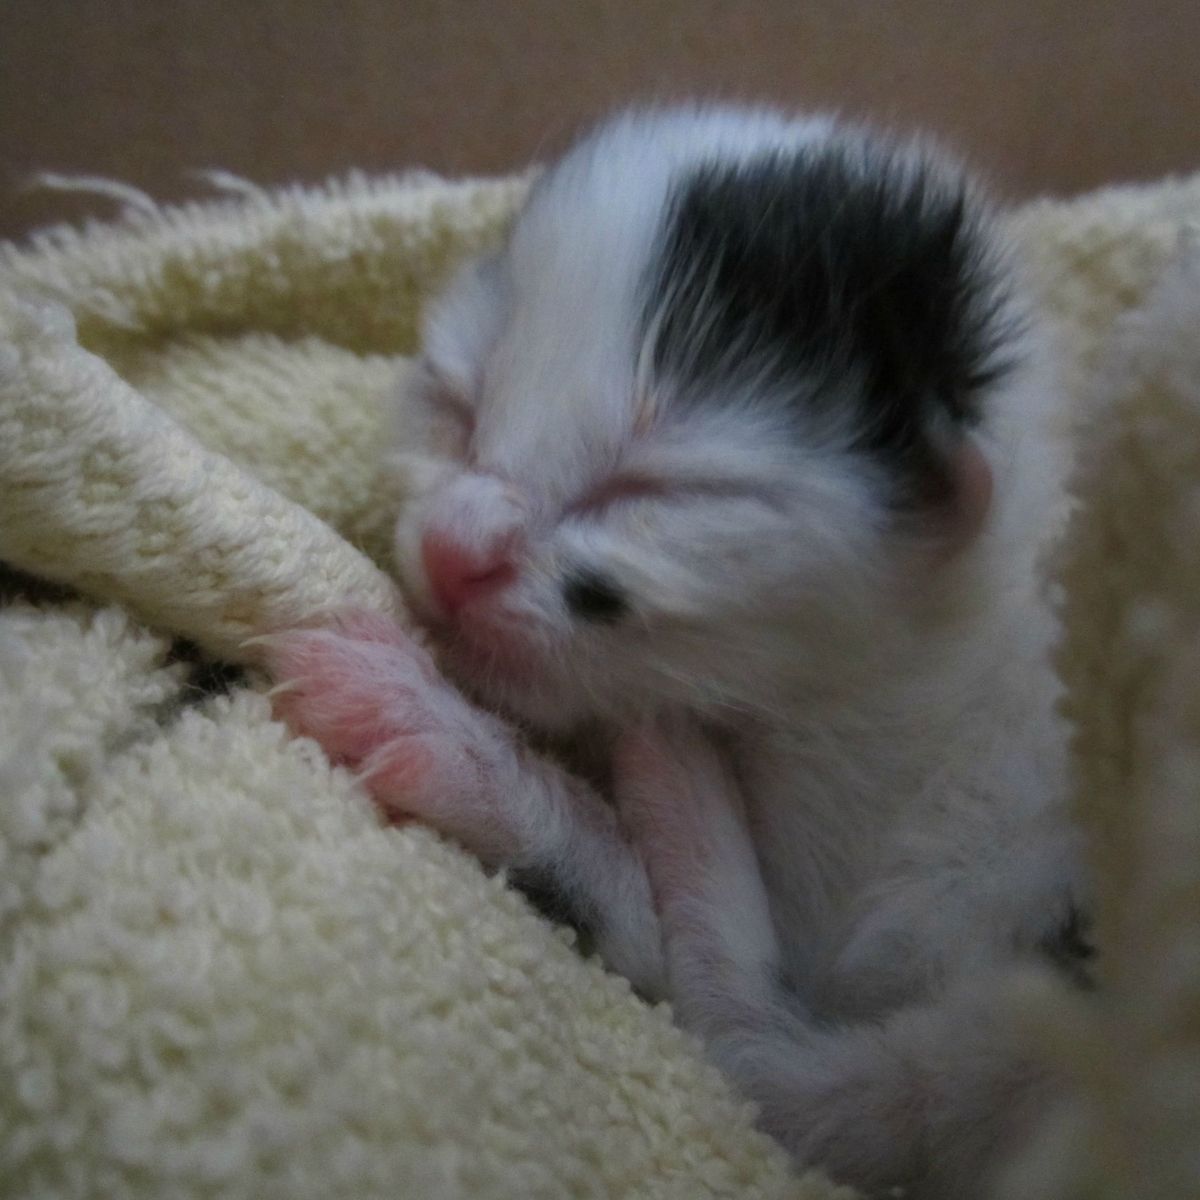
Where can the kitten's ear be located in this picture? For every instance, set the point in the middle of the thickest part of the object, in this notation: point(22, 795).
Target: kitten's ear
point(463, 324)
point(962, 508)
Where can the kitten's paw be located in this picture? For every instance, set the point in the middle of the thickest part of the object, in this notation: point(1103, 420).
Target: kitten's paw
point(376, 702)
point(346, 685)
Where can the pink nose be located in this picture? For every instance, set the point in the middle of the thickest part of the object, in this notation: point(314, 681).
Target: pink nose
point(458, 574)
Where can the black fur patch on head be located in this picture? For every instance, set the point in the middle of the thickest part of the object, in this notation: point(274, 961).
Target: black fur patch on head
point(841, 274)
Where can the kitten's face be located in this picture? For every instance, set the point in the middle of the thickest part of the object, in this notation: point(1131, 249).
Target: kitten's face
point(635, 486)
point(673, 561)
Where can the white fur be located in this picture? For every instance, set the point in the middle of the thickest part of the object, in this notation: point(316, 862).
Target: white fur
point(888, 716)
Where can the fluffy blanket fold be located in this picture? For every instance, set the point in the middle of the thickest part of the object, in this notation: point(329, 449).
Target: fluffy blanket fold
point(220, 976)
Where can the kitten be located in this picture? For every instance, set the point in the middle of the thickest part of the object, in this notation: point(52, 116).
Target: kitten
point(742, 449)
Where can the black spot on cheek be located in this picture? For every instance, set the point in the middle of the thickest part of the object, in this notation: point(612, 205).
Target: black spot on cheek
point(591, 597)
point(1069, 947)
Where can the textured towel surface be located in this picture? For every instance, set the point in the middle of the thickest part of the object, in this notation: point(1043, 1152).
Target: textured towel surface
point(219, 976)
point(1130, 657)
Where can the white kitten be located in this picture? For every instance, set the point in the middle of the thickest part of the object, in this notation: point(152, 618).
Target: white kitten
point(740, 450)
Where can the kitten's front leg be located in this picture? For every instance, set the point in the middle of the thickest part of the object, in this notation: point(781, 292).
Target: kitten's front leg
point(376, 701)
point(679, 799)
point(923, 1102)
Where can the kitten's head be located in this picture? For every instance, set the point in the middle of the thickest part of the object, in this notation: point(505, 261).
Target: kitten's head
point(703, 420)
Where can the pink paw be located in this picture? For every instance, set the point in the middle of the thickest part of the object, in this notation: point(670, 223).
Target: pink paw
point(341, 684)
point(375, 701)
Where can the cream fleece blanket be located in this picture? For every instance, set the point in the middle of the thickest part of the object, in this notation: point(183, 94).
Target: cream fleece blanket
point(220, 976)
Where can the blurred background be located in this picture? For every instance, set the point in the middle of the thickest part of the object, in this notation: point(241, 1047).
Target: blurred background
point(1047, 96)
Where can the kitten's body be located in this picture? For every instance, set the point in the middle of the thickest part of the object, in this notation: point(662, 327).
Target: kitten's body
point(708, 456)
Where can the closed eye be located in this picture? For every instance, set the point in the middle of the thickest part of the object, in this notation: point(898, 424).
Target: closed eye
point(449, 412)
point(618, 488)
point(621, 488)
point(449, 403)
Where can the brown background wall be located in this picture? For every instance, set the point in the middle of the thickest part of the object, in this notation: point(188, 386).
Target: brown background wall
point(1048, 95)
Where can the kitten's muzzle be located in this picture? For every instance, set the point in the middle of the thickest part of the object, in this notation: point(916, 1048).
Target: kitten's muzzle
point(460, 574)
point(471, 540)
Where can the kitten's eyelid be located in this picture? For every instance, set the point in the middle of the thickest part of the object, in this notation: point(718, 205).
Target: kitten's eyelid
point(444, 385)
point(460, 409)
point(616, 489)
point(638, 487)
point(446, 397)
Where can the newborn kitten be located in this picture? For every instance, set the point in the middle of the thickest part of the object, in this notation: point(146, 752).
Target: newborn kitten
point(741, 450)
